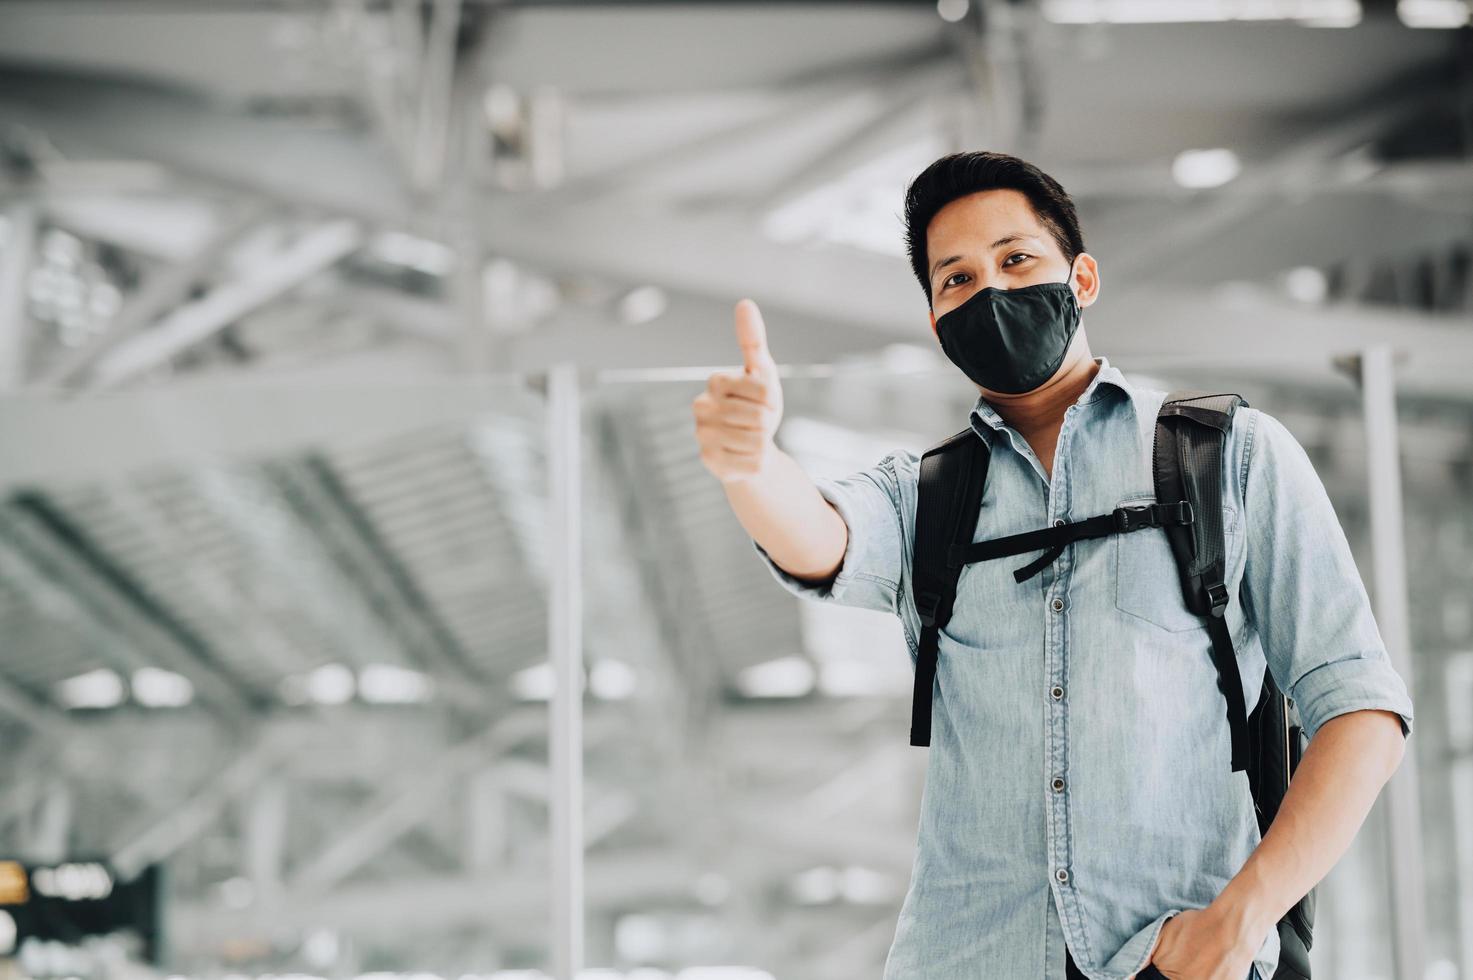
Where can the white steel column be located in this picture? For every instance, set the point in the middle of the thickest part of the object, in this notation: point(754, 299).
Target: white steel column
point(1388, 555)
point(565, 649)
point(16, 257)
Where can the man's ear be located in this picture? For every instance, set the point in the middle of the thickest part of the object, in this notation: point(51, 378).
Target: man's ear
point(932, 314)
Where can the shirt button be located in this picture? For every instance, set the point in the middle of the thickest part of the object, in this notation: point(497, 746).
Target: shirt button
point(1058, 783)
point(1062, 876)
point(1058, 522)
point(1056, 692)
point(1058, 605)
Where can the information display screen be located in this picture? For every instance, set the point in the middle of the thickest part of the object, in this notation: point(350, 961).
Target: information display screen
point(70, 901)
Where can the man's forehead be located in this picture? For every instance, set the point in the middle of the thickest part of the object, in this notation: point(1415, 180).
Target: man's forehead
point(982, 218)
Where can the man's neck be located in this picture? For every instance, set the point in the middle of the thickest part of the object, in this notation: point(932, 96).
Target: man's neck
point(1043, 409)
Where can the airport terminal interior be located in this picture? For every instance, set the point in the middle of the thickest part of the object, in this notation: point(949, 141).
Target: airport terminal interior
point(366, 610)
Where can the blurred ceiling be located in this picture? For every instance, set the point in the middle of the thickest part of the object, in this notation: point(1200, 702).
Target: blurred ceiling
point(283, 280)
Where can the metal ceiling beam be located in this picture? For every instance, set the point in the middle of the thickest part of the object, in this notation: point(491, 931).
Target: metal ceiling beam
point(1301, 166)
point(41, 718)
point(404, 803)
point(45, 437)
point(161, 292)
point(215, 589)
point(52, 541)
point(900, 118)
point(797, 107)
point(204, 420)
point(187, 325)
point(178, 821)
point(315, 492)
point(711, 255)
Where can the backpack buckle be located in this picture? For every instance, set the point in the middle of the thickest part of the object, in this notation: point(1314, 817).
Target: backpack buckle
point(1217, 594)
point(1134, 517)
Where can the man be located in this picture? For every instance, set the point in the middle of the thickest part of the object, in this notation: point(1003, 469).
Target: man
point(1080, 817)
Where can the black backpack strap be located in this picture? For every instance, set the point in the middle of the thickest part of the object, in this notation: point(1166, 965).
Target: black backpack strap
point(1053, 540)
point(1186, 462)
point(1191, 430)
point(953, 474)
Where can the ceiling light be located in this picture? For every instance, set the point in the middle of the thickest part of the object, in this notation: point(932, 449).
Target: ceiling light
point(100, 688)
point(786, 677)
point(643, 304)
point(157, 688)
point(1344, 14)
point(611, 680)
point(388, 684)
point(1205, 168)
point(320, 948)
point(866, 886)
point(854, 679)
point(1433, 13)
point(534, 683)
point(1307, 284)
point(816, 886)
point(1320, 13)
point(237, 893)
point(952, 10)
point(330, 684)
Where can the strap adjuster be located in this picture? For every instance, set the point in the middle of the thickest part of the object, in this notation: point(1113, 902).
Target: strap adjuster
point(928, 605)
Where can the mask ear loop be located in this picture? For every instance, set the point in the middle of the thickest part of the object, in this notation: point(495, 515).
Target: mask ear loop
point(1079, 310)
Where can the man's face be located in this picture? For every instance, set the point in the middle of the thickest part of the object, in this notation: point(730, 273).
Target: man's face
point(993, 238)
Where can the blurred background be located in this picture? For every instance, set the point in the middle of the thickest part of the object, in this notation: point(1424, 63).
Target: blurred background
point(346, 359)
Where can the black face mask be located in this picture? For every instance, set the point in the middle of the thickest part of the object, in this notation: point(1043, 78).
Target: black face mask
point(1011, 340)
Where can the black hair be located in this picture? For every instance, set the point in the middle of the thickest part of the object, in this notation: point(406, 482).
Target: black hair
point(959, 174)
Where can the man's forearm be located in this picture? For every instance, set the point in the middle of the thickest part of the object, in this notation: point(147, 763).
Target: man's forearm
point(1345, 765)
point(783, 511)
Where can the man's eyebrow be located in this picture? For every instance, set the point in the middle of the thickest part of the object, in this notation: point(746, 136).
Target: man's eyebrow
point(1012, 236)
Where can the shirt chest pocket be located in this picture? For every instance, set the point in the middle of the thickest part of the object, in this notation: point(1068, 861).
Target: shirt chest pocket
point(1147, 584)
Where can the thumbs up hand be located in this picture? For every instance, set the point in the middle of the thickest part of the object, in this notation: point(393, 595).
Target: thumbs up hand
point(738, 413)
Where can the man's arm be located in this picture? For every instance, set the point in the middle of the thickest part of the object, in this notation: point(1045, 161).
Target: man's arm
point(1303, 593)
point(736, 420)
point(1302, 590)
point(782, 510)
point(1343, 769)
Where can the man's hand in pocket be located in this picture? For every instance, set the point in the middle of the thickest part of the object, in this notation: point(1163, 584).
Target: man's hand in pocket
point(1203, 944)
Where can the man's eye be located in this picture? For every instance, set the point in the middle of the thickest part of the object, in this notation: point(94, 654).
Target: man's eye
point(947, 281)
point(1018, 255)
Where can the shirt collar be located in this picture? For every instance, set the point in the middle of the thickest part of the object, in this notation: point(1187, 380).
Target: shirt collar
point(1108, 377)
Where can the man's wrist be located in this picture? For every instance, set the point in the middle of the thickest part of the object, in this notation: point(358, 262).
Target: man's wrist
point(1245, 913)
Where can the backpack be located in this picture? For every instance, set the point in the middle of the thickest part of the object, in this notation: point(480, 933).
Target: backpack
point(1186, 464)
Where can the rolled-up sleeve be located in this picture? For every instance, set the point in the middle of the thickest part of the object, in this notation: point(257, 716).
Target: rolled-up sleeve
point(1303, 592)
point(870, 573)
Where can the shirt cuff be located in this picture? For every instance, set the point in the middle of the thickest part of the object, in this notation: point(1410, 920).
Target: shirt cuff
point(1342, 686)
point(833, 589)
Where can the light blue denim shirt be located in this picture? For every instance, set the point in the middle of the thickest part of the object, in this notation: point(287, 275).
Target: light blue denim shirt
point(1116, 693)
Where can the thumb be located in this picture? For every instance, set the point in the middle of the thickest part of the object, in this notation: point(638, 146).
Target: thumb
point(752, 336)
